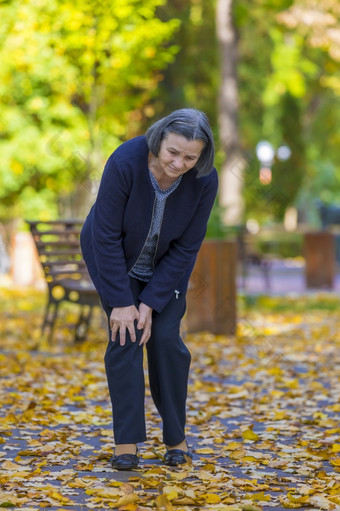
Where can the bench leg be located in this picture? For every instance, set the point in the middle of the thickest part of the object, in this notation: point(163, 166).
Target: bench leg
point(266, 274)
point(50, 317)
point(83, 323)
point(244, 271)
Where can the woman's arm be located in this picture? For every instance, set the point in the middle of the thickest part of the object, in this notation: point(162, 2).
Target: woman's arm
point(107, 225)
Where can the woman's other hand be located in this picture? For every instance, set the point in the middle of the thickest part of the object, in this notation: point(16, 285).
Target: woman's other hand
point(123, 318)
point(144, 322)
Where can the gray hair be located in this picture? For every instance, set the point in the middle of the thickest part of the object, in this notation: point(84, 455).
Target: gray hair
point(191, 124)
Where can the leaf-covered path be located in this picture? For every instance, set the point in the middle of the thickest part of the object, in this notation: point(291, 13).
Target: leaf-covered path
point(263, 415)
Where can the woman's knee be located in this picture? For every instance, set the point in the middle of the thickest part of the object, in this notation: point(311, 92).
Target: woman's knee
point(123, 357)
point(171, 348)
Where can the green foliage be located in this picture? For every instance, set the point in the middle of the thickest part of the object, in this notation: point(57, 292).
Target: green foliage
point(192, 79)
point(300, 305)
point(281, 244)
point(287, 95)
point(76, 78)
point(290, 68)
point(216, 229)
point(270, 201)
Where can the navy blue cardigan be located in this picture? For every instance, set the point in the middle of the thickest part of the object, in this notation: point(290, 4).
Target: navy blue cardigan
point(117, 226)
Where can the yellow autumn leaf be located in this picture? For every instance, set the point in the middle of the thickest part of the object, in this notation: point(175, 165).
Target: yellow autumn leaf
point(335, 499)
point(249, 434)
point(228, 505)
point(293, 384)
point(131, 498)
point(57, 496)
point(10, 501)
point(189, 493)
point(185, 501)
point(133, 506)
point(211, 498)
point(278, 463)
point(328, 423)
point(280, 415)
point(149, 455)
point(204, 475)
point(233, 446)
point(188, 460)
point(62, 419)
point(288, 504)
point(104, 493)
point(237, 455)
point(322, 502)
point(205, 450)
point(260, 496)
point(275, 371)
point(9, 465)
point(79, 483)
point(162, 502)
point(336, 448)
point(85, 466)
point(277, 393)
point(209, 467)
point(320, 415)
point(171, 492)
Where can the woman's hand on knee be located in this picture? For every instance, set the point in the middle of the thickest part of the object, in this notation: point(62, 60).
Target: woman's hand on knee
point(122, 319)
point(144, 322)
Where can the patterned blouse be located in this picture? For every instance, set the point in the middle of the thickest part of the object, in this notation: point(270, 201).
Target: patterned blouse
point(143, 268)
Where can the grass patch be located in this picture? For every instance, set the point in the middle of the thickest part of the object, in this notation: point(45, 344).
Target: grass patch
point(300, 304)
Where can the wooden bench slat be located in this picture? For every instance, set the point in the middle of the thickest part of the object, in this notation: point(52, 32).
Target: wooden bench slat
point(60, 243)
point(64, 262)
point(58, 232)
point(60, 252)
point(61, 271)
point(78, 285)
point(55, 222)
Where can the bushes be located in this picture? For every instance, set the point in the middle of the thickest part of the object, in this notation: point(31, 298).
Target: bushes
point(280, 243)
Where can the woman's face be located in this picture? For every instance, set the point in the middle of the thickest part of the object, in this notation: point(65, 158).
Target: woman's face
point(177, 155)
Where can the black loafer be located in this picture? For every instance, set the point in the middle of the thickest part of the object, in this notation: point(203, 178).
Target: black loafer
point(124, 462)
point(174, 457)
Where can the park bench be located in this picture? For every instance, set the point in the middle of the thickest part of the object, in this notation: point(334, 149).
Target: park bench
point(58, 247)
point(249, 257)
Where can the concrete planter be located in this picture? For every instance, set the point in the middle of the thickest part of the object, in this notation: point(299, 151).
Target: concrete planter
point(211, 299)
point(319, 253)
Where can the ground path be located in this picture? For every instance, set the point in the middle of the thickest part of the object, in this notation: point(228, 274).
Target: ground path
point(263, 415)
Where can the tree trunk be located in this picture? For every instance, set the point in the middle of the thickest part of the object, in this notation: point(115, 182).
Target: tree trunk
point(90, 164)
point(231, 181)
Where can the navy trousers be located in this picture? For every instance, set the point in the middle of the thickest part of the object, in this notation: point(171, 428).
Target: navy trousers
point(168, 367)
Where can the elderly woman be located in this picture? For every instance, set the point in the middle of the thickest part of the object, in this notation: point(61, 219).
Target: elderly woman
point(140, 241)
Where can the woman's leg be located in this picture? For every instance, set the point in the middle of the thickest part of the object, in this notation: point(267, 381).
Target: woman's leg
point(169, 362)
point(125, 377)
